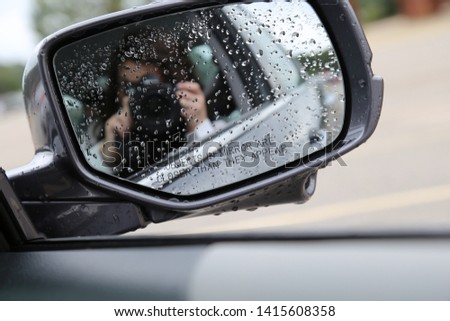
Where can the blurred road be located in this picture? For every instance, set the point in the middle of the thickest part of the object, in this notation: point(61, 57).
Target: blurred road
point(15, 139)
point(398, 180)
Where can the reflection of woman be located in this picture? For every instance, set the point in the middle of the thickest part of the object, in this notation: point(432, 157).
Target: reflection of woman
point(155, 105)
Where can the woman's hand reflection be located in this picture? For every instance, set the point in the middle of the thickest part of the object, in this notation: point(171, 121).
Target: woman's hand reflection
point(193, 104)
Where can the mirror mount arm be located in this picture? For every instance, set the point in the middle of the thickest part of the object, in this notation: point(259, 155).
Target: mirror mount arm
point(58, 204)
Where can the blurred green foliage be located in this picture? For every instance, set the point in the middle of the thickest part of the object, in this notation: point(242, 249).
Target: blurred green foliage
point(52, 15)
point(10, 78)
point(371, 10)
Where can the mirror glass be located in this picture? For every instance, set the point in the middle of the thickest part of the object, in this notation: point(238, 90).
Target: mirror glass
point(194, 101)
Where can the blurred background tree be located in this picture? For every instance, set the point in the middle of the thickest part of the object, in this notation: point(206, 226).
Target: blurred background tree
point(371, 10)
point(52, 15)
point(10, 77)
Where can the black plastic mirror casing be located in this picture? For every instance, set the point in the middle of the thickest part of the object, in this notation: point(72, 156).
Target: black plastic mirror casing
point(64, 196)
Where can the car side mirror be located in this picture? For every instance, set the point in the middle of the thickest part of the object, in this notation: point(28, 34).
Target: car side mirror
point(189, 108)
point(204, 99)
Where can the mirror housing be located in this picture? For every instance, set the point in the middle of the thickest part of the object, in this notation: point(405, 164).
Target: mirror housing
point(68, 198)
